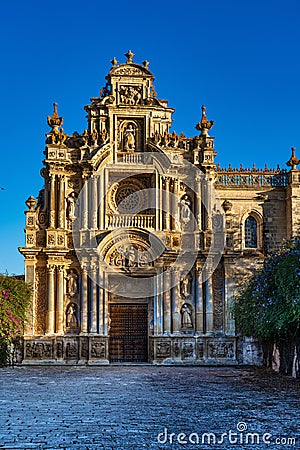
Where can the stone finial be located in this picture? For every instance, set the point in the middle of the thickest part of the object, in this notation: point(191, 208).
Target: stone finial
point(129, 55)
point(54, 121)
point(293, 161)
point(114, 61)
point(146, 64)
point(204, 125)
point(31, 203)
point(227, 205)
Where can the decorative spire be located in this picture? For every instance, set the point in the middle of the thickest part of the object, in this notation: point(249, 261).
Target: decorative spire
point(204, 125)
point(54, 121)
point(293, 161)
point(129, 56)
point(114, 61)
point(146, 64)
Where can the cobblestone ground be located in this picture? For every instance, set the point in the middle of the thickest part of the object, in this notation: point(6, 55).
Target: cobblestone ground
point(137, 407)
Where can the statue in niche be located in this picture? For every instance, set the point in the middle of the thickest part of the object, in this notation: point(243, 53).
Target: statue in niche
point(185, 209)
point(186, 286)
point(129, 139)
point(186, 316)
point(71, 206)
point(94, 137)
point(71, 316)
point(72, 283)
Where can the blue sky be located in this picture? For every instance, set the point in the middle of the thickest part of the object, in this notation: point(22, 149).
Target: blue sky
point(239, 58)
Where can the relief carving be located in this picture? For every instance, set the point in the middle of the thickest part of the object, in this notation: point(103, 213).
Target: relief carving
point(59, 350)
point(221, 350)
point(71, 350)
point(200, 349)
point(130, 95)
point(176, 348)
point(38, 350)
point(187, 349)
point(98, 349)
point(163, 349)
point(84, 349)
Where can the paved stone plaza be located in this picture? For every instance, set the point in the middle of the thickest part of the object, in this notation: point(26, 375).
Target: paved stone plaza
point(127, 407)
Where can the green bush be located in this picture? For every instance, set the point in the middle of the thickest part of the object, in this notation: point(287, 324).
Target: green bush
point(15, 296)
point(267, 306)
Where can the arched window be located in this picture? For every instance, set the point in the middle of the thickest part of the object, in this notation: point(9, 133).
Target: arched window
point(250, 232)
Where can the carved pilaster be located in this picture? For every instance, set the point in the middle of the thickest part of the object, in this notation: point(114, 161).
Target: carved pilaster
point(84, 302)
point(52, 205)
point(167, 302)
point(61, 208)
point(93, 300)
point(50, 318)
point(199, 307)
point(175, 303)
point(60, 300)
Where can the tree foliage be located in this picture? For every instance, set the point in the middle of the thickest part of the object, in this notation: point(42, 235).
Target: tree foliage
point(267, 306)
point(15, 297)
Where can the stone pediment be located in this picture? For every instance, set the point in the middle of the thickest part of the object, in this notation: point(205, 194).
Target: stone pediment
point(130, 70)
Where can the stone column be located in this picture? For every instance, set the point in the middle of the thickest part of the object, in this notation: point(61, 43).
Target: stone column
point(93, 300)
point(176, 204)
point(100, 201)
point(84, 302)
point(94, 203)
point(50, 317)
point(157, 209)
point(160, 204)
point(167, 302)
point(160, 309)
point(155, 309)
point(61, 207)
point(209, 301)
point(85, 205)
point(52, 205)
point(60, 316)
point(175, 303)
point(105, 308)
point(101, 302)
point(198, 202)
point(199, 318)
point(167, 202)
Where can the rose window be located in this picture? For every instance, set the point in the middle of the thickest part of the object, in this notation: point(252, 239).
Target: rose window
point(128, 200)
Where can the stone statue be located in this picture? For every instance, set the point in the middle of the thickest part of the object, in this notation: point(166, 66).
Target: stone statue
point(186, 286)
point(185, 209)
point(129, 139)
point(71, 316)
point(94, 137)
point(186, 316)
point(71, 206)
point(129, 257)
point(72, 283)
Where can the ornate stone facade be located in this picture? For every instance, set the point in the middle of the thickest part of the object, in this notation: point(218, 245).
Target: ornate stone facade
point(138, 239)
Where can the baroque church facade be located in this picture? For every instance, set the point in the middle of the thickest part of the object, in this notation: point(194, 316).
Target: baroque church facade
point(138, 240)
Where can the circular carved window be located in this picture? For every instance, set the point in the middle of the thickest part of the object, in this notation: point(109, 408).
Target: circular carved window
point(128, 200)
point(127, 197)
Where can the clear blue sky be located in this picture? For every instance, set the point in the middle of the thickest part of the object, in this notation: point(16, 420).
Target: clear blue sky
point(238, 57)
